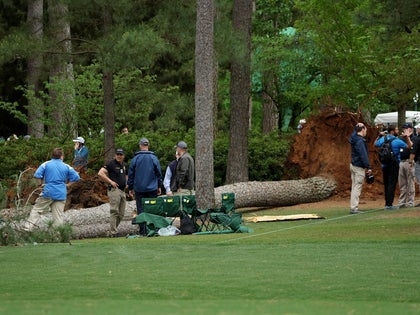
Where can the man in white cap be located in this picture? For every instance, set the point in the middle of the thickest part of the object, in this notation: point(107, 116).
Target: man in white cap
point(185, 171)
point(81, 154)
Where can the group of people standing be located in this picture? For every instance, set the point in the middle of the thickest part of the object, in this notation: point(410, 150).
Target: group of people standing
point(403, 170)
point(143, 179)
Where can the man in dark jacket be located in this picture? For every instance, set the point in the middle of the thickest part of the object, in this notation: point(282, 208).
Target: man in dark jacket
point(185, 171)
point(114, 173)
point(359, 165)
point(144, 177)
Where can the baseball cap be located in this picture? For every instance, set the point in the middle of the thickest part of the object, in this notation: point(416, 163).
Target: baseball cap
point(144, 141)
point(417, 126)
point(407, 125)
point(181, 145)
point(119, 151)
point(79, 139)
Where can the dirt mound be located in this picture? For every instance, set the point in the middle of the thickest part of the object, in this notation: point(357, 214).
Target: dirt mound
point(88, 192)
point(322, 149)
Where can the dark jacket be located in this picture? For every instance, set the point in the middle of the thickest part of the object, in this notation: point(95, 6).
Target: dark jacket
point(185, 171)
point(359, 151)
point(144, 173)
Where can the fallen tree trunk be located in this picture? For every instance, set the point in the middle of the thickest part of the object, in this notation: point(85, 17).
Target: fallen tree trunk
point(94, 222)
point(278, 194)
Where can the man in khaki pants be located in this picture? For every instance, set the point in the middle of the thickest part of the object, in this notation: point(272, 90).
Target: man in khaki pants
point(54, 176)
point(115, 174)
point(359, 165)
point(406, 173)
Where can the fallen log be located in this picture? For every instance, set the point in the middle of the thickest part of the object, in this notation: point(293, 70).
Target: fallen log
point(86, 223)
point(278, 193)
point(94, 222)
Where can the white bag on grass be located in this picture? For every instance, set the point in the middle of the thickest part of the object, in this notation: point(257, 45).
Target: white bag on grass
point(170, 230)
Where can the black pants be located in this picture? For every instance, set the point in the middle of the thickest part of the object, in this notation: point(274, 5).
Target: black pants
point(390, 174)
point(139, 198)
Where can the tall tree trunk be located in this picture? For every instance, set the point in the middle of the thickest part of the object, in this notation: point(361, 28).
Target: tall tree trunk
point(240, 92)
point(270, 114)
point(61, 71)
point(108, 86)
point(35, 106)
point(205, 77)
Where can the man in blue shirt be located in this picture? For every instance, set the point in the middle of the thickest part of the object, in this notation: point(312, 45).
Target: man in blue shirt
point(52, 176)
point(390, 171)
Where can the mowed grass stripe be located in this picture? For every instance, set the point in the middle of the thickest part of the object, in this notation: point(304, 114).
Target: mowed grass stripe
point(360, 262)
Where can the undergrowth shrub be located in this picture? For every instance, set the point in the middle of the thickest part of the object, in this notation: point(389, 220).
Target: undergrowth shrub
point(11, 230)
point(12, 234)
point(267, 152)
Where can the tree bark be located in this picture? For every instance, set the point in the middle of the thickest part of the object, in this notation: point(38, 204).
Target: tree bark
point(240, 92)
point(270, 114)
point(61, 96)
point(35, 109)
point(205, 78)
point(278, 194)
point(108, 87)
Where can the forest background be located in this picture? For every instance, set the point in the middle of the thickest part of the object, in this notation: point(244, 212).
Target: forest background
point(78, 68)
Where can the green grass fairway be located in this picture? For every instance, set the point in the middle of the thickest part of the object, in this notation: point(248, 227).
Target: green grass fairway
point(360, 264)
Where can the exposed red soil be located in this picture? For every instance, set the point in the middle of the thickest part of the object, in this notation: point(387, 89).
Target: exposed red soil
point(322, 149)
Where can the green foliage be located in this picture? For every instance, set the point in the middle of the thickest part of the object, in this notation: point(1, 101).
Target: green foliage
point(126, 48)
point(11, 234)
point(285, 63)
point(13, 109)
point(267, 155)
point(3, 195)
point(366, 51)
point(89, 113)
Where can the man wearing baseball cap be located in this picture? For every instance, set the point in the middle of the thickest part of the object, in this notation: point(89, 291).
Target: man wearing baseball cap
point(185, 171)
point(81, 154)
point(144, 178)
point(114, 173)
